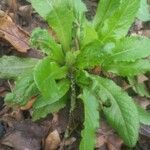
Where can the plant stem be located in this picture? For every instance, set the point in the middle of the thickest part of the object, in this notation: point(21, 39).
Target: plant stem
point(72, 107)
point(73, 92)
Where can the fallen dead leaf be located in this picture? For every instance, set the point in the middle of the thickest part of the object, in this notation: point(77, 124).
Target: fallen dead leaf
point(107, 136)
point(70, 141)
point(29, 104)
point(13, 34)
point(142, 78)
point(52, 141)
point(17, 114)
point(145, 130)
point(24, 135)
point(142, 101)
point(100, 141)
point(114, 142)
point(146, 33)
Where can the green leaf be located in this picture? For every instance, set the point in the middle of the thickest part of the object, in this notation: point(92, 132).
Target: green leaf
point(91, 122)
point(89, 34)
point(90, 56)
point(47, 70)
point(139, 88)
point(130, 49)
point(128, 68)
point(41, 39)
point(144, 11)
point(48, 77)
point(59, 16)
point(127, 121)
point(144, 115)
point(25, 89)
point(79, 8)
point(117, 25)
point(106, 8)
point(56, 92)
point(122, 113)
point(42, 112)
point(38, 5)
point(12, 67)
point(61, 20)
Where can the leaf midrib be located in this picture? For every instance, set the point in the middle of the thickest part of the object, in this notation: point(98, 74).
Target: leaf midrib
point(16, 68)
point(61, 26)
point(102, 20)
point(120, 16)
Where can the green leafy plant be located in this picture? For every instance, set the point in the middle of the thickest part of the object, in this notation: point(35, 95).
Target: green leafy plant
point(144, 11)
point(78, 46)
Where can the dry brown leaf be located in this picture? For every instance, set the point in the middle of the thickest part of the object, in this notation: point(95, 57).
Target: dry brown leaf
point(24, 135)
point(114, 142)
point(107, 136)
point(29, 104)
point(142, 78)
point(13, 34)
point(145, 130)
point(70, 141)
point(101, 140)
point(52, 141)
point(142, 101)
point(146, 33)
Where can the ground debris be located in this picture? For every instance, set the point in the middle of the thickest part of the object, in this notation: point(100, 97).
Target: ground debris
point(24, 135)
point(13, 34)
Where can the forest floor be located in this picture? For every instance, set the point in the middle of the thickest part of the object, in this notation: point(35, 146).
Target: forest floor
point(17, 131)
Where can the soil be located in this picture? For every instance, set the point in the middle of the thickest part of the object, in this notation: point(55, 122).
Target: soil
point(19, 132)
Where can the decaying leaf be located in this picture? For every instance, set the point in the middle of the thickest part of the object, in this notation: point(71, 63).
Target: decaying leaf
point(145, 130)
point(13, 34)
point(107, 136)
point(29, 104)
point(52, 141)
point(24, 135)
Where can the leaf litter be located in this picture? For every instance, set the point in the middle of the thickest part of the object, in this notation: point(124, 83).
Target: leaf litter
point(13, 34)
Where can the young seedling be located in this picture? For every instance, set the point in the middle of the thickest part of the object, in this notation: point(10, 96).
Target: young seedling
point(78, 46)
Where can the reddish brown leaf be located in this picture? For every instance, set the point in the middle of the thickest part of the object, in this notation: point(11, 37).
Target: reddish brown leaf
point(29, 104)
